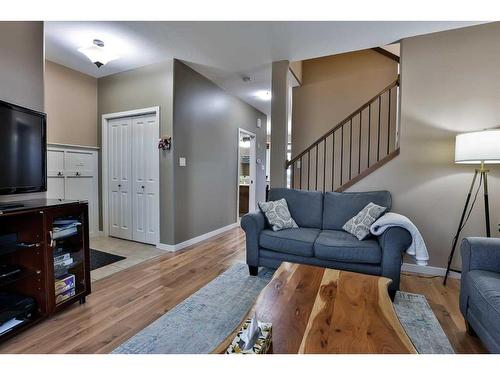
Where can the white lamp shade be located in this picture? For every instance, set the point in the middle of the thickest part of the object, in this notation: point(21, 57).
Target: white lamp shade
point(477, 147)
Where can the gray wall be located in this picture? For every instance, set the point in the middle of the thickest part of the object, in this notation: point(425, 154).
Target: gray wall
point(206, 122)
point(449, 84)
point(143, 87)
point(22, 63)
point(22, 71)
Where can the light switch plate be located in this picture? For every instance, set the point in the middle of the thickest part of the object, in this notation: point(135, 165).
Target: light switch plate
point(182, 162)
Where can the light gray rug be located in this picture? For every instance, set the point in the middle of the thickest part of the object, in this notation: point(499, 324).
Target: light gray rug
point(199, 323)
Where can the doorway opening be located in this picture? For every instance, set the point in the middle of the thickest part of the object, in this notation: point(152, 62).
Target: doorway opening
point(246, 172)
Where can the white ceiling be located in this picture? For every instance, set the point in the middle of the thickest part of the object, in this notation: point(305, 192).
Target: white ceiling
point(224, 51)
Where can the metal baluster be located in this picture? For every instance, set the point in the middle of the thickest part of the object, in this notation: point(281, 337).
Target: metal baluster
point(316, 179)
point(308, 169)
point(300, 173)
point(342, 156)
point(350, 149)
point(324, 165)
point(333, 161)
point(369, 135)
point(389, 123)
point(359, 141)
point(378, 132)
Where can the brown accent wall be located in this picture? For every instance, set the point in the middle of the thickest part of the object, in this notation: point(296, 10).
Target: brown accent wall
point(333, 87)
point(71, 106)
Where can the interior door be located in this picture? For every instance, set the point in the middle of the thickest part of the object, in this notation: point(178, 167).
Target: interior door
point(145, 179)
point(120, 181)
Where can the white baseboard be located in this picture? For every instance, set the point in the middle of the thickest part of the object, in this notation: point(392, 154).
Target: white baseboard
point(195, 240)
point(428, 270)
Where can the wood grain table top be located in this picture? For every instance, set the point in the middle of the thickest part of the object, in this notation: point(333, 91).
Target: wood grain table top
point(319, 310)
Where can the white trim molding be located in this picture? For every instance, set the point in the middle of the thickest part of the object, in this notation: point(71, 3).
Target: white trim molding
point(195, 240)
point(428, 270)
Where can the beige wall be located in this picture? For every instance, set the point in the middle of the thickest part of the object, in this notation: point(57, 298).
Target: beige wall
point(71, 106)
point(332, 88)
point(450, 84)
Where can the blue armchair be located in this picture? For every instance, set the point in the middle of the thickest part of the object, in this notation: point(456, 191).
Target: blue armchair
point(480, 289)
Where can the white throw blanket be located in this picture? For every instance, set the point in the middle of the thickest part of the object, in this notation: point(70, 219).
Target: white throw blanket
point(417, 249)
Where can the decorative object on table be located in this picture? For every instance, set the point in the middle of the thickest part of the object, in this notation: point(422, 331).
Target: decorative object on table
point(277, 214)
point(360, 224)
point(482, 147)
point(100, 259)
point(165, 143)
point(417, 248)
point(254, 337)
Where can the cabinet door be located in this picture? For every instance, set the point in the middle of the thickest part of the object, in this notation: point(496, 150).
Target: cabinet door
point(120, 181)
point(55, 174)
point(145, 160)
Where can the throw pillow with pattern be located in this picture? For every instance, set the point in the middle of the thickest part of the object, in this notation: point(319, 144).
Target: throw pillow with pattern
point(277, 214)
point(360, 224)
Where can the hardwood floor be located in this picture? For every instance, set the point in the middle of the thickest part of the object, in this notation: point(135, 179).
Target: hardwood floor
point(122, 304)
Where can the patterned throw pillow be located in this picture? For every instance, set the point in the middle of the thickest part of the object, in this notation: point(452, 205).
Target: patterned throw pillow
point(277, 214)
point(360, 224)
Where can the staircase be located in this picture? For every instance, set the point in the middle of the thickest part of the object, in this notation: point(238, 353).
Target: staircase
point(358, 145)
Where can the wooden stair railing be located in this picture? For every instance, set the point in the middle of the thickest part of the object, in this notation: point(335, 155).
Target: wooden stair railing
point(355, 147)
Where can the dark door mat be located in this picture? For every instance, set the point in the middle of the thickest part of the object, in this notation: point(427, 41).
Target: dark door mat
point(100, 259)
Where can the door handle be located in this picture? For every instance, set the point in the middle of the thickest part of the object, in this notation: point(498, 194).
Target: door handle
point(77, 174)
point(142, 186)
point(59, 173)
point(119, 186)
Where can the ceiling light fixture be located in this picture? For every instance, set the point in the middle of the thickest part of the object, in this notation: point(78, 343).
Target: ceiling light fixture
point(263, 95)
point(97, 54)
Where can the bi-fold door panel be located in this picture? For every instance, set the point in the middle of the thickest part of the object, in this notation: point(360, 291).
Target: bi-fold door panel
point(120, 157)
point(145, 177)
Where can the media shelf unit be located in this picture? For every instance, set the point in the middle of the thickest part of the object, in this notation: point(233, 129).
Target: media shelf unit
point(31, 228)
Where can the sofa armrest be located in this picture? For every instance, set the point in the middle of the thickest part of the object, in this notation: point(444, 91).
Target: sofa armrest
point(394, 242)
point(253, 223)
point(480, 253)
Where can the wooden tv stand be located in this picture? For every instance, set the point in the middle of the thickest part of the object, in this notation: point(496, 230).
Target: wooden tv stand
point(28, 242)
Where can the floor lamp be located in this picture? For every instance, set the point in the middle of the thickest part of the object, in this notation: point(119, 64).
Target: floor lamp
point(481, 148)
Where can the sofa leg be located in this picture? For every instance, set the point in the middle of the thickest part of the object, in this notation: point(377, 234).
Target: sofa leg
point(469, 329)
point(254, 271)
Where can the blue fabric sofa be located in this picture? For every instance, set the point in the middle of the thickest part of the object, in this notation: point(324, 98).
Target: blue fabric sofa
point(480, 289)
point(320, 239)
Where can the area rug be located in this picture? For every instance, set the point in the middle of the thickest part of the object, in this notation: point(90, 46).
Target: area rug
point(100, 259)
point(199, 323)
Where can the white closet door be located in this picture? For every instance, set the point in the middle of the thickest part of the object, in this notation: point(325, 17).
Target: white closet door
point(120, 181)
point(145, 179)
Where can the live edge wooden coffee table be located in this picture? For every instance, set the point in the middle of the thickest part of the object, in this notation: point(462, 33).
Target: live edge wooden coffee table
point(319, 310)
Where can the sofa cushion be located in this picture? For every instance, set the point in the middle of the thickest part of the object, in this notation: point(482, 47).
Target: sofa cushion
point(306, 207)
point(277, 214)
point(344, 247)
point(298, 241)
point(338, 208)
point(484, 296)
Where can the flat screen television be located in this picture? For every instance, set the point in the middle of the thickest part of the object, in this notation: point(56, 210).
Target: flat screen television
point(23, 150)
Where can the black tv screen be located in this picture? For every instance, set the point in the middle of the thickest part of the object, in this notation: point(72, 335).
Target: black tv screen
point(22, 150)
